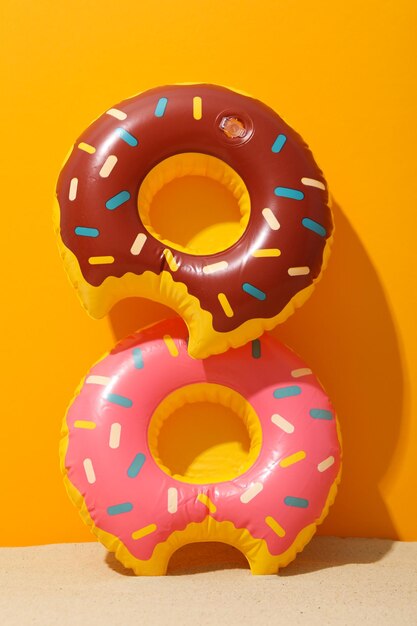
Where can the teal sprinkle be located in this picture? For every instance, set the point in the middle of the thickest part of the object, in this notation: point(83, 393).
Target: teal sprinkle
point(301, 503)
point(321, 414)
point(254, 291)
point(117, 200)
point(286, 192)
point(116, 509)
point(160, 107)
point(136, 465)
point(287, 392)
point(137, 358)
point(120, 400)
point(83, 231)
point(256, 349)
point(278, 144)
point(314, 226)
point(127, 137)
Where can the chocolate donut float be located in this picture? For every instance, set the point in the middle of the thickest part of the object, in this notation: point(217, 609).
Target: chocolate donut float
point(228, 297)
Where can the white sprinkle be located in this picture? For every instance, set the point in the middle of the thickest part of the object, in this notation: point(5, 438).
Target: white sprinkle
point(324, 465)
point(138, 244)
point(250, 493)
point(114, 439)
point(312, 182)
point(98, 380)
point(298, 271)
point(89, 471)
point(215, 267)
point(119, 115)
point(172, 500)
point(73, 189)
point(270, 219)
point(303, 371)
point(282, 423)
point(108, 166)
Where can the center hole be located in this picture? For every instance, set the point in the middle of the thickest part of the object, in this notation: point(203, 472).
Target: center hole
point(203, 441)
point(194, 203)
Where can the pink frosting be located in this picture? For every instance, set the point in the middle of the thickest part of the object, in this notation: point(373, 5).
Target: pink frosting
point(142, 372)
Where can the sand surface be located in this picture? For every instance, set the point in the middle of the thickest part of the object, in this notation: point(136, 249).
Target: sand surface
point(334, 581)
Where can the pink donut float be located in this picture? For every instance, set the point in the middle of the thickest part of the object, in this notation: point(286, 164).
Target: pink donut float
point(152, 467)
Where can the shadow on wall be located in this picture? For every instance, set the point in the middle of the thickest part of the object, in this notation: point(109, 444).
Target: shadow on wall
point(345, 332)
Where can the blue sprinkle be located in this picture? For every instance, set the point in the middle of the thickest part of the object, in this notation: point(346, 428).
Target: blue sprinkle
point(120, 400)
point(301, 503)
point(256, 349)
point(127, 137)
point(286, 192)
point(117, 200)
point(83, 231)
point(314, 226)
point(278, 143)
point(321, 414)
point(116, 509)
point(254, 291)
point(137, 358)
point(160, 107)
point(286, 392)
point(136, 465)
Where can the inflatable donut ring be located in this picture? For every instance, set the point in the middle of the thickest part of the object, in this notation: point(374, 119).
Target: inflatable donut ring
point(226, 296)
point(160, 450)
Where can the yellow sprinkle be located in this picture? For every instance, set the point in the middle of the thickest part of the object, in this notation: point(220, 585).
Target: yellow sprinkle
point(170, 344)
point(293, 458)
point(197, 108)
point(266, 252)
point(142, 532)
point(225, 304)
point(86, 147)
point(273, 524)
point(101, 260)
point(172, 264)
point(84, 424)
point(207, 502)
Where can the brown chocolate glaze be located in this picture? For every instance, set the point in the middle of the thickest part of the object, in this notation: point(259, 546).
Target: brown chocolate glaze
point(262, 170)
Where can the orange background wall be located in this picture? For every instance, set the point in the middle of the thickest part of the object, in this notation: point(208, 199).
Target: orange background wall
point(343, 74)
